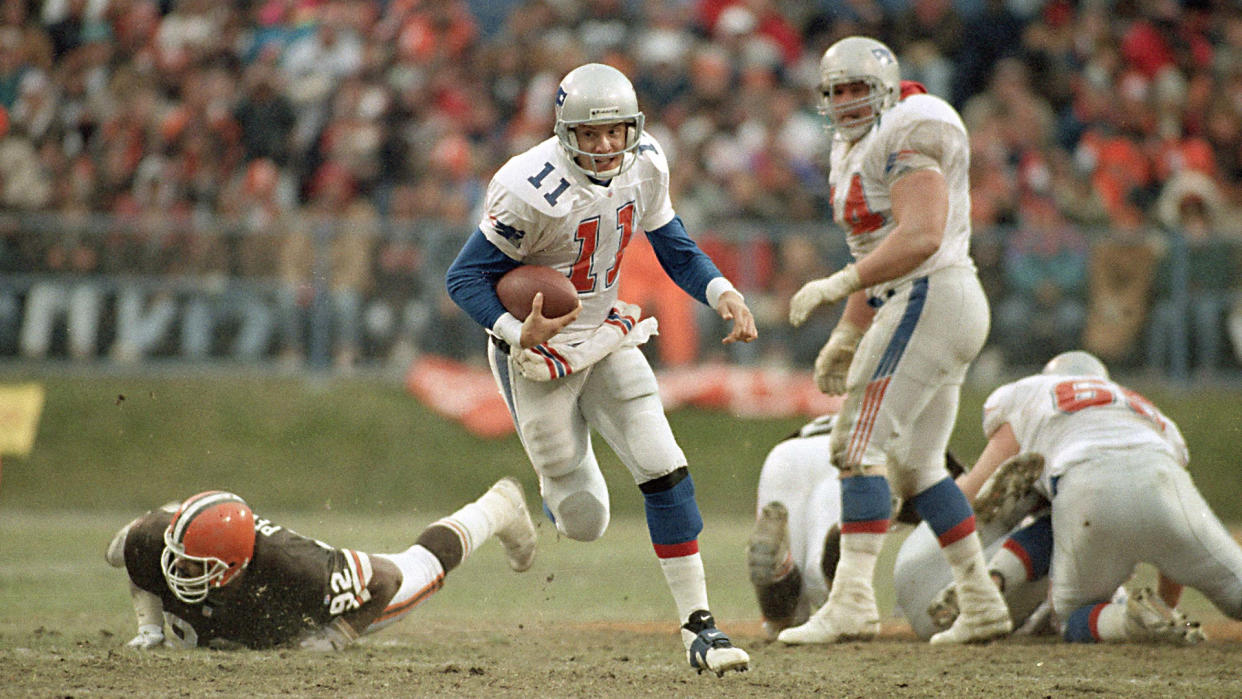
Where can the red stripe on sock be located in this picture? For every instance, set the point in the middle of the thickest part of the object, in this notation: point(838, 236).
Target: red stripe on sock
point(686, 548)
point(963, 529)
point(873, 526)
point(1018, 550)
point(1093, 620)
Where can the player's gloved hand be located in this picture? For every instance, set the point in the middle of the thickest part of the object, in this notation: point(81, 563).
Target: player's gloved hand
point(829, 290)
point(832, 366)
point(149, 636)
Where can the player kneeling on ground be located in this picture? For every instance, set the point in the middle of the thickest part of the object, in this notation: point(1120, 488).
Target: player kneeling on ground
point(219, 576)
point(1115, 474)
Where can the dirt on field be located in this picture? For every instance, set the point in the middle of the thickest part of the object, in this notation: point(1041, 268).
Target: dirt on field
point(619, 660)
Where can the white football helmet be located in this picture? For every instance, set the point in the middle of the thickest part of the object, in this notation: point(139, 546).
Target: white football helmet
point(208, 542)
point(597, 94)
point(1075, 363)
point(858, 59)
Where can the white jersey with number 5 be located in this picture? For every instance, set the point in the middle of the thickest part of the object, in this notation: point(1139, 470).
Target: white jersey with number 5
point(920, 132)
point(541, 210)
point(1070, 419)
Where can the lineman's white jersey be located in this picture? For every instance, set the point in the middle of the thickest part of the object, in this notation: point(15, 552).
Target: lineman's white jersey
point(920, 132)
point(541, 210)
point(1071, 419)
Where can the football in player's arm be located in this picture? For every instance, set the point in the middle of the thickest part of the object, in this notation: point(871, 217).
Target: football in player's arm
point(208, 572)
point(573, 202)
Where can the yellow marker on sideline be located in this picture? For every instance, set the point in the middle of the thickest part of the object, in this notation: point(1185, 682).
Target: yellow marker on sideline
point(21, 405)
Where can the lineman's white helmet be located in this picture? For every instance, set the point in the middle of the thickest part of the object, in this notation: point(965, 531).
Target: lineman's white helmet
point(858, 59)
point(1075, 363)
point(597, 94)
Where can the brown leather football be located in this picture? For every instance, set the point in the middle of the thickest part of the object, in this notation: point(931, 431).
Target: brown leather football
point(518, 286)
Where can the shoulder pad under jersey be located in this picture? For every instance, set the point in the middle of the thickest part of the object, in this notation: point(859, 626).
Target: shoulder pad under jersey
point(916, 108)
point(541, 179)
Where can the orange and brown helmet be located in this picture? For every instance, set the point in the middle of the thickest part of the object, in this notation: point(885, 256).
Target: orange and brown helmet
point(209, 541)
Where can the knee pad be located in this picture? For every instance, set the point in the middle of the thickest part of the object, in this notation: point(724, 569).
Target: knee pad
point(581, 517)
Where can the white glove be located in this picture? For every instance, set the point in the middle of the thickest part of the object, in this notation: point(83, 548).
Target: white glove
point(820, 291)
point(149, 636)
point(832, 366)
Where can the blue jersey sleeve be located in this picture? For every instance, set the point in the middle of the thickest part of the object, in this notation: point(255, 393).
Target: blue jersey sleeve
point(682, 259)
point(471, 279)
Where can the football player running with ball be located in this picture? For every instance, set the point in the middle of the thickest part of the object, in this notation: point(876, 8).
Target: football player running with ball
point(572, 202)
point(915, 317)
point(218, 576)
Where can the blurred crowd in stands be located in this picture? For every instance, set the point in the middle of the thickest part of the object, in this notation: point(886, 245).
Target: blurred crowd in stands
point(285, 179)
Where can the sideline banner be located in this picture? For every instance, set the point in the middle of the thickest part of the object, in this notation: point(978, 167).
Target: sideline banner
point(468, 394)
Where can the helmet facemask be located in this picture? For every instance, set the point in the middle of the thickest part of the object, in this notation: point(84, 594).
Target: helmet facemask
point(189, 588)
point(569, 141)
point(837, 112)
point(597, 94)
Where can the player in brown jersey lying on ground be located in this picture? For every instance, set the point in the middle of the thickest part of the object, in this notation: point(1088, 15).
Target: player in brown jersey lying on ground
point(216, 575)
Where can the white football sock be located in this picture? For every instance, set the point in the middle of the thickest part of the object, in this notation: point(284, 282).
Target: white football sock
point(688, 583)
point(475, 522)
point(852, 584)
point(1110, 624)
point(970, 571)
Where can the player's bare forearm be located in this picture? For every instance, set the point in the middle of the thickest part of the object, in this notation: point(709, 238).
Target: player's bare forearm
point(1001, 445)
point(921, 209)
point(732, 307)
point(858, 311)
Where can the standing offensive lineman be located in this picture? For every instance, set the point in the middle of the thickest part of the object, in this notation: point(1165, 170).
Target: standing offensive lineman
point(572, 202)
point(218, 576)
point(915, 317)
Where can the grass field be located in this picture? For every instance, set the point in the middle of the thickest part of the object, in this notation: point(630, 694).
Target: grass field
point(586, 620)
point(361, 464)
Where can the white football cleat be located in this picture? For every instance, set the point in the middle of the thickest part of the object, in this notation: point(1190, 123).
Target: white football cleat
point(835, 624)
point(976, 628)
point(983, 617)
point(710, 648)
point(1148, 618)
point(517, 533)
point(767, 550)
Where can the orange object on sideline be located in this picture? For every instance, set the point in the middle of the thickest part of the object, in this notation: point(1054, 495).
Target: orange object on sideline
point(644, 282)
